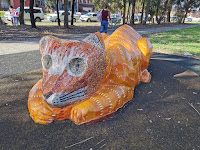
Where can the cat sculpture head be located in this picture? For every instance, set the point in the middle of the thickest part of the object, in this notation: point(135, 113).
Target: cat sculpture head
point(72, 70)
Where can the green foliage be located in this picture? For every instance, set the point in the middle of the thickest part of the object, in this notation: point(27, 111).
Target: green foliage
point(50, 4)
point(2, 13)
point(185, 6)
point(181, 41)
point(152, 9)
point(114, 5)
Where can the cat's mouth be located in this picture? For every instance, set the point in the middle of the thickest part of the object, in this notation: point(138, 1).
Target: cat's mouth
point(63, 99)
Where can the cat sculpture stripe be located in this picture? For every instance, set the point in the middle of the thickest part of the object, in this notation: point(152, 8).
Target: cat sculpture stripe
point(87, 80)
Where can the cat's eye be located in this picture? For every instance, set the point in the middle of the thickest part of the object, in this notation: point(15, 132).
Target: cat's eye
point(47, 61)
point(77, 66)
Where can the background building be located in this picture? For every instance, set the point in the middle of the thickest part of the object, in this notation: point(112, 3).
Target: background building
point(80, 5)
point(86, 6)
point(4, 4)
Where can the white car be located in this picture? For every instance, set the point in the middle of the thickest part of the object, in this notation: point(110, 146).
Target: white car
point(116, 18)
point(8, 15)
point(38, 14)
point(53, 17)
point(89, 17)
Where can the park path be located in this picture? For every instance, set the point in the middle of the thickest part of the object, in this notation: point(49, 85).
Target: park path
point(31, 44)
point(19, 56)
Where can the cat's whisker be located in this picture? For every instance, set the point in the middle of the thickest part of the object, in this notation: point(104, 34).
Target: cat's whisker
point(72, 99)
point(72, 96)
point(75, 92)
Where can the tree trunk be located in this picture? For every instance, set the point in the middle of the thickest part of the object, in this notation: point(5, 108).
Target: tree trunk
point(31, 14)
point(142, 12)
point(21, 13)
point(124, 12)
point(58, 15)
point(185, 16)
point(157, 8)
point(66, 14)
point(163, 13)
point(133, 13)
point(128, 12)
point(1, 22)
point(72, 15)
point(168, 16)
point(147, 12)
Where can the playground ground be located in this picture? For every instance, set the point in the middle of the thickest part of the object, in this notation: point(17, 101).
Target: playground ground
point(164, 114)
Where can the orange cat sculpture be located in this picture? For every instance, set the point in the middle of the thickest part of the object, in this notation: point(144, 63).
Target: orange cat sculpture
point(90, 79)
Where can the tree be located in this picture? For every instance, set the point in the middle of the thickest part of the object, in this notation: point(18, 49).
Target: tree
point(31, 14)
point(114, 5)
point(128, 12)
point(21, 13)
point(1, 22)
point(163, 12)
point(49, 4)
point(157, 9)
point(66, 14)
point(124, 11)
point(169, 8)
point(147, 12)
point(152, 10)
point(133, 12)
point(58, 15)
point(142, 11)
point(185, 6)
point(72, 15)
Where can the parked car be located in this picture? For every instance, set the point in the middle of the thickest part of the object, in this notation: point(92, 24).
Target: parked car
point(188, 19)
point(89, 17)
point(53, 17)
point(38, 14)
point(8, 15)
point(173, 19)
point(78, 14)
point(116, 18)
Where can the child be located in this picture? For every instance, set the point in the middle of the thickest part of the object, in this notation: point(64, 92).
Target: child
point(15, 15)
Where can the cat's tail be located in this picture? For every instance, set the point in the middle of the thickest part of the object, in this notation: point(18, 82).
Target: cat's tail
point(146, 48)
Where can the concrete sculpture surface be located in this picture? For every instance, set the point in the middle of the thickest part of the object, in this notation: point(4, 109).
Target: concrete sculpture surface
point(86, 80)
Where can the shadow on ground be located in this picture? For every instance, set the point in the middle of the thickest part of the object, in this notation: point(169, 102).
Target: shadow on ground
point(162, 115)
point(187, 62)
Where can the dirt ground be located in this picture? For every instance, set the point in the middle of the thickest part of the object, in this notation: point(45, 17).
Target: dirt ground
point(163, 115)
point(25, 31)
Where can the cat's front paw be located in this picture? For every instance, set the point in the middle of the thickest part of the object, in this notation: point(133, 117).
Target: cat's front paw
point(39, 112)
point(79, 114)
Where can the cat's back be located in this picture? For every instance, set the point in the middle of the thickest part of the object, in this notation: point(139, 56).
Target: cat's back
point(125, 35)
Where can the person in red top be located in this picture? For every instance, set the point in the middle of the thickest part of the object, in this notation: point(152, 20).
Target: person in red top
point(104, 21)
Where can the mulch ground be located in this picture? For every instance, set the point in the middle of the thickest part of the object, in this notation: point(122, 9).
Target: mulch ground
point(26, 31)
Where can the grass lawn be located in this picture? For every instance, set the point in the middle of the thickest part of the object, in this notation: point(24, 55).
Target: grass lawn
point(181, 41)
point(79, 23)
point(192, 22)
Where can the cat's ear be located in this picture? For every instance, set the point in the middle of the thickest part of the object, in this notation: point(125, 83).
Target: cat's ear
point(44, 42)
point(95, 39)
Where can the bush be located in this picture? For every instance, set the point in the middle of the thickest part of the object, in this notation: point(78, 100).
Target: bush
point(2, 13)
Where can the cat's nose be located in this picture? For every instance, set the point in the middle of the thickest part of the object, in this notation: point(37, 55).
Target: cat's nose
point(46, 96)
